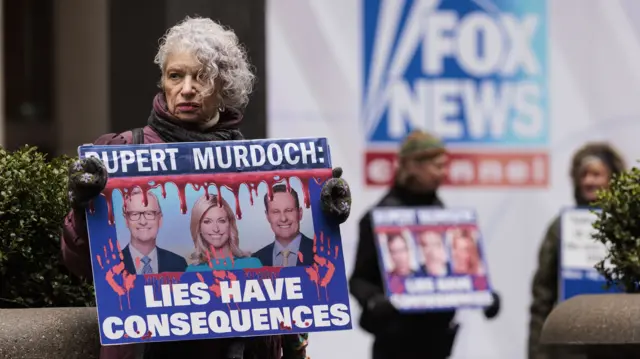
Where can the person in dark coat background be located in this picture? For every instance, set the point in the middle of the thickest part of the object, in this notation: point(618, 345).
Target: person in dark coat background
point(206, 80)
point(592, 167)
point(422, 168)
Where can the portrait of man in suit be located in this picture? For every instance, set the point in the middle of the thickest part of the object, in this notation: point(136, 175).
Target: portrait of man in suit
point(284, 214)
point(142, 255)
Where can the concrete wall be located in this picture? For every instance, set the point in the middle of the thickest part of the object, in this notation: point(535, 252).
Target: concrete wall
point(82, 81)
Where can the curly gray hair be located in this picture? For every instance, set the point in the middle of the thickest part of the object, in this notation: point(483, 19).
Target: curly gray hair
point(223, 58)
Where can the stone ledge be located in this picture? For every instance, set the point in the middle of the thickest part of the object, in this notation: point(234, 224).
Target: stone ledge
point(598, 326)
point(70, 333)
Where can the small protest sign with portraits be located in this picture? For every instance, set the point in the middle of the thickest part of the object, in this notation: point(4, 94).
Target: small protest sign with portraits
point(431, 258)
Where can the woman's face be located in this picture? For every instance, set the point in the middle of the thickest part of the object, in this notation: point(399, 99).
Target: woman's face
point(214, 227)
point(433, 250)
point(463, 252)
point(184, 89)
point(594, 176)
point(399, 255)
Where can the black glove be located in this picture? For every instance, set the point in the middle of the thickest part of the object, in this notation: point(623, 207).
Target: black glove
point(335, 197)
point(492, 311)
point(236, 349)
point(87, 178)
point(380, 307)
point(294, 346)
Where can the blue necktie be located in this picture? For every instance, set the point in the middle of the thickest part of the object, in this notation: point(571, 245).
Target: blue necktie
point(147, 266)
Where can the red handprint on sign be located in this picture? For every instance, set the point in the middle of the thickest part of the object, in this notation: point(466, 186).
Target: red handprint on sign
point(320, 261)
point(128, 279)
point(218, 275)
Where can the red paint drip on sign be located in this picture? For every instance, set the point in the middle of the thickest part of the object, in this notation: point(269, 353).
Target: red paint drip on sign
point(232, 181)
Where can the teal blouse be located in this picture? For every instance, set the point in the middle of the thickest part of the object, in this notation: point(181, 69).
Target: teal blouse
point(226, 264)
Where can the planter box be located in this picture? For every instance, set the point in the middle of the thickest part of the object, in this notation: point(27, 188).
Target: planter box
point(70, 333)
point(600, 326)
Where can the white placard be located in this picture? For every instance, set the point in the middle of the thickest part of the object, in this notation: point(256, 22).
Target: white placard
point(579, 249)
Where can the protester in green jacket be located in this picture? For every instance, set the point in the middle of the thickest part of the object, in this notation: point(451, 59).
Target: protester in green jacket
point(591, 169)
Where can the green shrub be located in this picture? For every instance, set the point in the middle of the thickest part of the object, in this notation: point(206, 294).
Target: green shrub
point(618, 227)
point(33, 203)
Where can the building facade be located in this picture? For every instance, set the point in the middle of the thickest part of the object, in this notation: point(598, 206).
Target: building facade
point(75, 69)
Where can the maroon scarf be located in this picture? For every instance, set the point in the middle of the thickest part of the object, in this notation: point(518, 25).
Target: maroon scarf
point(171, 129)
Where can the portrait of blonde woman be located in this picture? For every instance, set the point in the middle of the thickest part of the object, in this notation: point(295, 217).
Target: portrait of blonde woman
point(214, 231)
point(466, 254)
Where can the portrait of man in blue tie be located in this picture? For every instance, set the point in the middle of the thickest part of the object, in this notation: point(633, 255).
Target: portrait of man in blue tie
point(290, 247)
point(142, 255)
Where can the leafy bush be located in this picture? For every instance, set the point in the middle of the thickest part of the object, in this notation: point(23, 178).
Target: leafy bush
point(33, 203)
point(618, 227)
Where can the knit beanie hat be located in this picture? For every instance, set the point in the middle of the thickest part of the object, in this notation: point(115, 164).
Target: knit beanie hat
point(421, 144)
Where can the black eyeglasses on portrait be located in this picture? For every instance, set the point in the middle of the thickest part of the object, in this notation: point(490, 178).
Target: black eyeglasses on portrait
point(135, 215)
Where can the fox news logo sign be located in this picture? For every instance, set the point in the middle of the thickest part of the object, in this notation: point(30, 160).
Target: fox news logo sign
point(474, 72)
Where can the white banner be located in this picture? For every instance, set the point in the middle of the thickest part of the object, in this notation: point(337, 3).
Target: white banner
point(358, 72)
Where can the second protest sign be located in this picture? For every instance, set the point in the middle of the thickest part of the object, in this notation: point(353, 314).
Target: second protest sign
point(431, 258)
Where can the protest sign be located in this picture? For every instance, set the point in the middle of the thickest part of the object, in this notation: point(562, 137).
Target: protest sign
point(579, 253)
point(215, 239)
point(431, 258)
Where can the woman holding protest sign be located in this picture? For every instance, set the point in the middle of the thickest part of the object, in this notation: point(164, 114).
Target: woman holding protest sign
point(422, 168)
point(205, 82)
point(592, 167)
point(214, 231)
